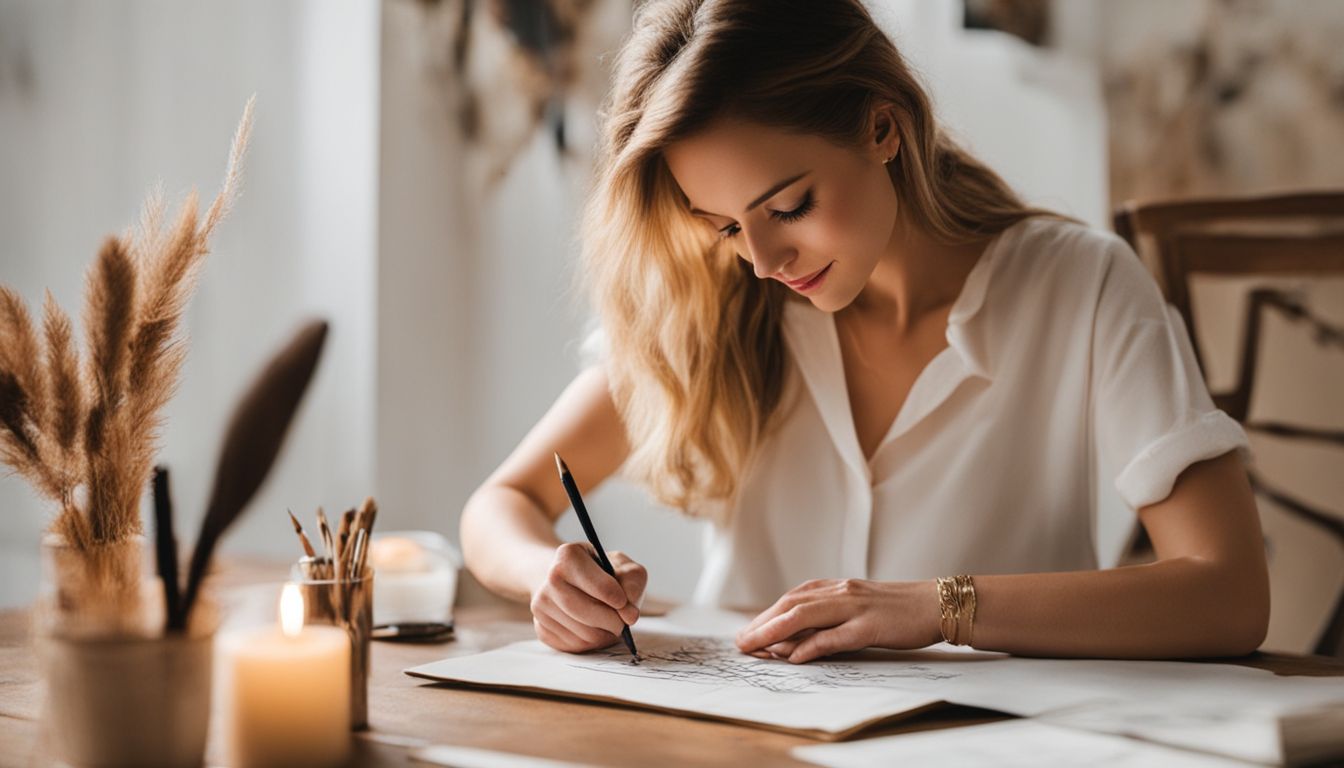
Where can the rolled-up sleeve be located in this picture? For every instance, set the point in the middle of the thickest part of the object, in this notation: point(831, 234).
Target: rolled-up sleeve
point(1153, 416)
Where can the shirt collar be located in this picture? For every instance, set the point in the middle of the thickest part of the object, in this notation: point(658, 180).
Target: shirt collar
point(967, 326)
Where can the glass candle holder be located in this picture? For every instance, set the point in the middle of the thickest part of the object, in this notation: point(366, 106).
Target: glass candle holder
point(417, 577)
point(347, 604)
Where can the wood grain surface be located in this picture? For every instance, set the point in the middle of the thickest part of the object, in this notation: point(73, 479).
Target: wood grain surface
point(405, 712)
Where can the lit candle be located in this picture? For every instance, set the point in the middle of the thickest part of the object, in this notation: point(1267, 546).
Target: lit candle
point(287, 692)
point(414, 583)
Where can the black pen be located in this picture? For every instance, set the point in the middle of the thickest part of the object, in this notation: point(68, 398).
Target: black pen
point(575, 499)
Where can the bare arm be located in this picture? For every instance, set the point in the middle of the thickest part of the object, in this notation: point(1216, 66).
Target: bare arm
point(508, 524)
point(1207, 595)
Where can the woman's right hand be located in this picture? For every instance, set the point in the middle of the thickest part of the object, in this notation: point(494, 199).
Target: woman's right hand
point(579, 607)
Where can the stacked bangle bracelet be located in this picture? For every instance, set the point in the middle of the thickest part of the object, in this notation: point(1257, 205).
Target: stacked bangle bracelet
point(956, 601)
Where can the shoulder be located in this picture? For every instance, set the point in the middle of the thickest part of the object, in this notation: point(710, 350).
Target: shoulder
point(1061, 262)
point(1043, 246)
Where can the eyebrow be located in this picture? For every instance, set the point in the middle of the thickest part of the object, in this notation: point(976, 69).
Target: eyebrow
point(766, 196)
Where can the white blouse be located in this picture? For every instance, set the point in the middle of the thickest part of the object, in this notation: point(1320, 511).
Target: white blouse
point(1064, 363)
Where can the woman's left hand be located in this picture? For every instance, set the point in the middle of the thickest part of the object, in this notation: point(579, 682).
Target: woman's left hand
point(827, 616)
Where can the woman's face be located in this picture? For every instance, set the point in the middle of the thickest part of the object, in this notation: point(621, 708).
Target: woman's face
point(801, 210)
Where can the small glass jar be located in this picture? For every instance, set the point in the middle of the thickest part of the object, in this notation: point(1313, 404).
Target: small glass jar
point(417, 577)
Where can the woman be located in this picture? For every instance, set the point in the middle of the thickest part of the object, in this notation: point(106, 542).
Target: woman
point(894, 387)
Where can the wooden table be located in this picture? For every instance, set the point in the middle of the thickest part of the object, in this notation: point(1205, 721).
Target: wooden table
point(412, 712)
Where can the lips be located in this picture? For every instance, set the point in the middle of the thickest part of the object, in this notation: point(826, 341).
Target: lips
point(804, 282)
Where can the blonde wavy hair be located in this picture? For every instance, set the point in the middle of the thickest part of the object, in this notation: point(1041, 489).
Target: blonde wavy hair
point(695, 358)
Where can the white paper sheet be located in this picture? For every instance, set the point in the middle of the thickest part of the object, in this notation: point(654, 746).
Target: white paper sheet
point(1007, 744)
point(469, 757)
point(1245, 727)
point(1222, 708)
point(707, 676)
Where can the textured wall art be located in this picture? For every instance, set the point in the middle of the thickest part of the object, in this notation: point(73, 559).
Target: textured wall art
point(1223, 96)
point(510, 66)
point(1027, 19)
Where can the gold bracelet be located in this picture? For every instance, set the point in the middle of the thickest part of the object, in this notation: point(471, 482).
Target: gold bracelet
point(947, 623)
point(956, 600)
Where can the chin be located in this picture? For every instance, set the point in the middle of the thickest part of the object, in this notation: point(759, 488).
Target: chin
point(833, 298)
point(827, 302)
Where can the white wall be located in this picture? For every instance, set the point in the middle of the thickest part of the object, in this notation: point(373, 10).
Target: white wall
point(1036, 116)
point(123, 94)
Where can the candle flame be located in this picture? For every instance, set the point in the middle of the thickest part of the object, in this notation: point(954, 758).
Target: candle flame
point(291, 610)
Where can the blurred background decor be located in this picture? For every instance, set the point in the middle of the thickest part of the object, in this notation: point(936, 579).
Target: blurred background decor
point(508, 65)
point(425, 161)
point(1027, 19)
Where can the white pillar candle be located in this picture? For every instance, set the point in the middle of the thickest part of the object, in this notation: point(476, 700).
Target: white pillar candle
point(287, 692)
point(414, 583)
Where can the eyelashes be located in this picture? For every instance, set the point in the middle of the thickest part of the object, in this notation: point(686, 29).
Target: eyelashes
point(802, 210)
point(788, 217)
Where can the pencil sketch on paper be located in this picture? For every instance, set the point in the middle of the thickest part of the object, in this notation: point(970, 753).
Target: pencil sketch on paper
point(717, 661)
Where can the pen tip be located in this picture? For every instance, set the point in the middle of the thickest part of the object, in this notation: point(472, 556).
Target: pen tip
point(560, 464)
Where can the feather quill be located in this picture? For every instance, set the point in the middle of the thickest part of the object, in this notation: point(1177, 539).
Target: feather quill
point(251, 444)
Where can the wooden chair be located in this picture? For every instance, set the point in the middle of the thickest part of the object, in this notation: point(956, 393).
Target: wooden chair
point(1299, 235)
point(1134, 220)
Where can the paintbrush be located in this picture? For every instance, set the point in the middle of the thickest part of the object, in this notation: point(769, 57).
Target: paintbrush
point(303, 537)
point(368, 512)
point(357, 555)
point(343, 538)
point(364, 519)
point(251, 445)
point(325, 531)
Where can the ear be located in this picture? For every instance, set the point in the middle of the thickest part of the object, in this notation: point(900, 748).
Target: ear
point(884, 137)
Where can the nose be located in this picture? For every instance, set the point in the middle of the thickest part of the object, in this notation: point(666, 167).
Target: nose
point(768, 257)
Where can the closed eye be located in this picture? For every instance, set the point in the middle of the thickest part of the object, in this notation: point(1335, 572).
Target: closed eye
point(803, 209)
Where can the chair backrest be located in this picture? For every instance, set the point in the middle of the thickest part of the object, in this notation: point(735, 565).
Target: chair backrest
point(1306, 215)
point(1159, 220)
point(1283, 235)
point(1317, 251)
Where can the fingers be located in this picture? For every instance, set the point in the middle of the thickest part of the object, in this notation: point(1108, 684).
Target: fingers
point(579, 636)
point(807, 616)
point(581, 607)
point(826, 643)
point(784, 648)
point(633, 579)
point(584, 609)
point(577, 567)
point(788, 600)
point(560, 637)
point(556, 635)
point(813, 645)
point(780, 605)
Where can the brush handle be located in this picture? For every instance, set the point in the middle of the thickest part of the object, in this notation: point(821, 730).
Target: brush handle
point(165, 546)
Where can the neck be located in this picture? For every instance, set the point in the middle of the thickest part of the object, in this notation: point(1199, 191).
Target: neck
point(916, 275)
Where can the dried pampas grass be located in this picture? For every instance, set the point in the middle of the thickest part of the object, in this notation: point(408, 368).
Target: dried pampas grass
point(85, 431)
